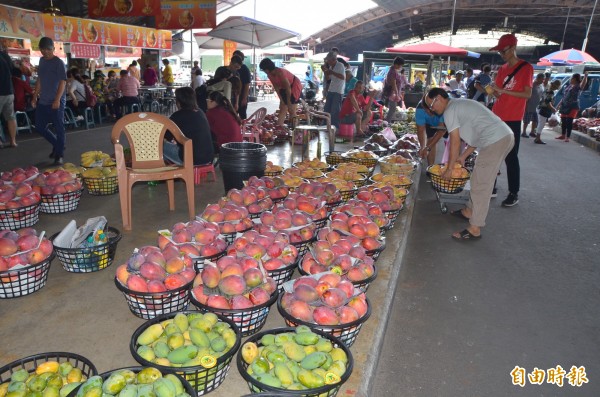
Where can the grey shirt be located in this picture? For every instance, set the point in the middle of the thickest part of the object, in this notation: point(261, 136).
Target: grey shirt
point(537, 90)
point(50, 73)
point(477, 125)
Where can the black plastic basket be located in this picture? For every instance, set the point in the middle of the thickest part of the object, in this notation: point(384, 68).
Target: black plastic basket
point(335, 160)
point(377, 251)
point(302, 247)
point(32, 362)
point(18, 218)
point(102, 186)
point(200, 261)
point(203, 380)
point(148, 305)
point(331, 206)
point(392, 215)
point(230, 237)
point(348, 194)
point(248, 321)
point(369, 162)
point(60, 203)
point(320, 223)
point(347, 333)
point(89, 259)
point(265, 390)
point(400, 185)
point(273, 173)
point(283, 274)
point(362, 285)
point(449, 186)
point(25, 281)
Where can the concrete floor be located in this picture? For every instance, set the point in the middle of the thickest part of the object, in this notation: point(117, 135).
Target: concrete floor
point(462, 317)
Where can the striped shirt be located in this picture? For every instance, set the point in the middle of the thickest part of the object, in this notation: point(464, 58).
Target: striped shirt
point(128, 85)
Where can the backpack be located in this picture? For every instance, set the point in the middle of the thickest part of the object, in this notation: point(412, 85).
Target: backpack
point(90, 97)
point(471, 90)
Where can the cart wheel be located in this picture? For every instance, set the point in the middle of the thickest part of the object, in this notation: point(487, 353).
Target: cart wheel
point(443, 208)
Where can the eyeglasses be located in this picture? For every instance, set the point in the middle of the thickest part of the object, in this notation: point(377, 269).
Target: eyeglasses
point(432, 103)
point(504, 51)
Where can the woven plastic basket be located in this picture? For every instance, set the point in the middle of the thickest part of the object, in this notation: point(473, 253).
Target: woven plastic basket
point(19, 218)
point(25, 281)
point(334, 158)
point(30, 363)
point(395, 168)
point(60, 203)
point(102, 186)
point(449, 186)
point(89, 259)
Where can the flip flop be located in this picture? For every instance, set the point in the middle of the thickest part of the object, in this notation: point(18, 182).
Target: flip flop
point(458, 213)
point(465, 235)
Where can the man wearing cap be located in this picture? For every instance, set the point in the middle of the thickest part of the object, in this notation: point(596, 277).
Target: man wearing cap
point(7, 97)
point(49, 99)
point(246, 77)
point(336, 73)
point(457, 83)
point(512, 88)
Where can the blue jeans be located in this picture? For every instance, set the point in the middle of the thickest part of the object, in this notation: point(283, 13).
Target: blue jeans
point(333, 105)
point(171, 153)
point(44, 115)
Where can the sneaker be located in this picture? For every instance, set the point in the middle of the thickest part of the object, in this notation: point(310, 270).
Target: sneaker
point(79, 118)
point(494, 193)
point(511, 199)
point(58, 161)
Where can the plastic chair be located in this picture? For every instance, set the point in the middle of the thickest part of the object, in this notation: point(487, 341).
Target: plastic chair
point(330, 129)
point(145, 133)
point(26, 122)
point(88, 118)
point(70, 120)
point(251, 126)
point(202, 171)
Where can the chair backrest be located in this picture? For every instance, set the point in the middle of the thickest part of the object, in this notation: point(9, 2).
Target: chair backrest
point(145, 133)
point(250, 126)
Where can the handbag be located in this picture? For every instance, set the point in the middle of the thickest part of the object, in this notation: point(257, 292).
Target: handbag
point(545, 112)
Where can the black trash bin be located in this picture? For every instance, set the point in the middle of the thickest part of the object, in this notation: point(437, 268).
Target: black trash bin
point(241, 160)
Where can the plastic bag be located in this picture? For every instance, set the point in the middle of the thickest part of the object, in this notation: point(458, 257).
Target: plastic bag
point(389, 134)
point(553, 120)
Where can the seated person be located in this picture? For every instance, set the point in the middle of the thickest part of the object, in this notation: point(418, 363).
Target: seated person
point(356, 109)
point(592, 111)
point(193, 123)
point(225, 124)
point(22, 90)
point(457, 83)
point(76, 94)
point(128, 86)
point(350, 82)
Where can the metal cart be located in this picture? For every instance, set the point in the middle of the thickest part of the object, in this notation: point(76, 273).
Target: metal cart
point(460, 198)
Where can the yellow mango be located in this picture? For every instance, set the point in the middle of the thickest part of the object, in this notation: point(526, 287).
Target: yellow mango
point(48, 366)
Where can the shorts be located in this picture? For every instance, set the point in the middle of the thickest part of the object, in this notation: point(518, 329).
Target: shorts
point(430, 131)
point(283, 98)
point(7, 107)
point(530, 117)
point(351, 118)
point(572, 113)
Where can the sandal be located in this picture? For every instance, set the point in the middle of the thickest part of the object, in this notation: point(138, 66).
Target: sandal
point(459, 213)
point(465, 235)
point(539, 141)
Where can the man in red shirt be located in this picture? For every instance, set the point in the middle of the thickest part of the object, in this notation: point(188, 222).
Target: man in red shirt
point(512, 88)
point(356, 108)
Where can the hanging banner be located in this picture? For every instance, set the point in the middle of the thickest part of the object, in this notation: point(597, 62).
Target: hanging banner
point(229, 48)
point(19, 23)
point(120, 8)
point(187, 14)
point(123, 52)
point(89, 51)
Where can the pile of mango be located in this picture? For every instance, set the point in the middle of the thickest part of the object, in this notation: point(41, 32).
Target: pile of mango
point(297, 360)
point(126, 383)
point(50, 379)
point(100, 172)
point(96, 158)
point(186, 340)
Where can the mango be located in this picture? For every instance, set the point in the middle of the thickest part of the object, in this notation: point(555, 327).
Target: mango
point(17, 387)
point(148, 375)
point(230, 337)
point(68, 388)
point(115, 383)
point(327, 362)
point(19, 375)
point(212, 335)
point(162, 361)
point(218, 344)
point(249, 352)
point(51, 391)
point(182, 354)
point(17, 393)
point(267, 340)
point(150, 334)
point(182, 322)
point(309, 379)
point(324, 345)
point(211, 318)
point(313, 360)
point(306, 338)
point(74, 375)
point(146, 353)
point(337, 367)
point(129, 375)
point(65, 368)
point(309, 349)
point(268, 350)
point(176, 383)
point(36, 383)
point(283, 373)
point(194, 362)
point(220, 328)
point(55, 380)
point(175, 340)
point(146, 390)
point(294, 352)
point(129, 390)
point(268, 380)
point(48, 366)
point(199, 338)
point(3, 389)
point(320, 371)
point(95, 391)
point(260, 366)
point(296, 386)
point(202, 324)
point(338, 354)
point(171, 329)
point(277, 357)
point(281, 339)
point(293, 367)
point(34, 394)
point(163, 387)
point(93, 381)
point(303, 328)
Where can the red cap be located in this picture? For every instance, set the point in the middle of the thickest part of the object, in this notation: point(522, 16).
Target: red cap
point(505, 41)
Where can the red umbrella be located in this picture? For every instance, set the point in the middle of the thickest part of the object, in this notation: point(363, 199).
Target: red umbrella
point(434, 49)
point(571, 57)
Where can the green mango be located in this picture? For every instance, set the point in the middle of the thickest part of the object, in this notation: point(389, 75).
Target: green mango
point(294, 367)
point(324, 345)
point(55, 380)
point(283, 373)
point(175, 340)
point(182, 354)
point(17, 393)
point(36, 383)
point(199, 338)
point(146, 390)
point(148, 375)
point(306, 338)
point(268, 350)
point(130, 390)
point(201, 324)
point(163, 387)
point(171, 329)
point(327, 362)
point(303, 328)
point(281, 339)
point(179, 389)
point(51, 391)
point(161, 350)
point(309, 379)
point(182, 322)
point(212, 335)
point(95, 391)
point(65, 368)
point(19, 375)
point(294, 352)
point(218, 344)
point(267, 340)
point(260, 366)
point(296, 386)
point(129, 375)
point(220, 327)
point(34, 394)
point(338, 368)
point(319, 371)
point(277, 357)
point(114, 384)
point(338, 354)
point(268, 380)
point(183, 395)
point(68, 388)
point(146, 352)
point(192, 316)
point(203, 351)
point(211, 318)
point(150, 334)
point(94, 381)
point(313, 360)
point(17, 386)
point(230, 337)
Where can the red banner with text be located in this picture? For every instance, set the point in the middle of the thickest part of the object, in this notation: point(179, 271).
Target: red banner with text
point(187, 14)
point(121, 8)
point(229, 48)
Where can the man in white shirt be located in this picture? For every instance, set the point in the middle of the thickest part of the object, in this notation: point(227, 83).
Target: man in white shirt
point(457, 82)
point(336, 73)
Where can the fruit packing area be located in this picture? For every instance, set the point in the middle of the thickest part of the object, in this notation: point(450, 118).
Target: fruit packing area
point(303, 242)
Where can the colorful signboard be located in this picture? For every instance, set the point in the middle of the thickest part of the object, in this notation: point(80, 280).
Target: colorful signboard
point(89, 51)
point(121, 8)
point(229, 48)
point(19, 23)
point(187, 14)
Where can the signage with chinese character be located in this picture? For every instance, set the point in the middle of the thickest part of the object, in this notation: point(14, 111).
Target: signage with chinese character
point(121, 8)
point(19, 23)
point(85, 51)
point(229, 48)
point(187, 14)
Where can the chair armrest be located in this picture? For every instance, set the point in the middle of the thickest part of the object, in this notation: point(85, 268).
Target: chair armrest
point(119, 157)
point(188, 154)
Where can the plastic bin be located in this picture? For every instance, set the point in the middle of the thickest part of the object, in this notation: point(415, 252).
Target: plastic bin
point(241, 160)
